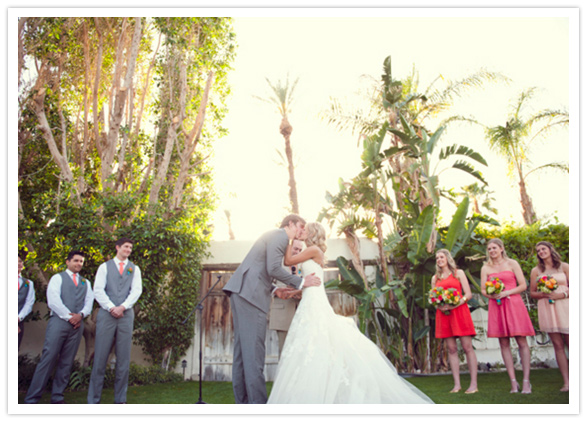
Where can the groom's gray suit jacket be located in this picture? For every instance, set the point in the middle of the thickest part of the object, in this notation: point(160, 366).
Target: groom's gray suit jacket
point(252, 280)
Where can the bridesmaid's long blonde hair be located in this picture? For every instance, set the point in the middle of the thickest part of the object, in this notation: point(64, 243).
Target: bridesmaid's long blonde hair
point(450, 262)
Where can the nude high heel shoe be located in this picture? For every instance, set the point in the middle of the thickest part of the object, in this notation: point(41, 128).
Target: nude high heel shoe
point(528, 391)
point(516, 384)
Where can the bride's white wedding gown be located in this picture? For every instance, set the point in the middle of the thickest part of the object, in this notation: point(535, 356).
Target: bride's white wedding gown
point(326, 359)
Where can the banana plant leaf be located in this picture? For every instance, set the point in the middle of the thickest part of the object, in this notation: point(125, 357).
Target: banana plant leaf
point(457, 226)
point(420, 235)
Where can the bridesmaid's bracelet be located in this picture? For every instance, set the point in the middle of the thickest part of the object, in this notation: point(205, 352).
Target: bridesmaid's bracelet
point(566, 295)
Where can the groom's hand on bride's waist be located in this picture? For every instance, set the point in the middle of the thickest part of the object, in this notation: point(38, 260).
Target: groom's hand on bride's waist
point(311, 281)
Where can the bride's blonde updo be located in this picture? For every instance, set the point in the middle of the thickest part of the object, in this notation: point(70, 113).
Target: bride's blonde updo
point(316, 235)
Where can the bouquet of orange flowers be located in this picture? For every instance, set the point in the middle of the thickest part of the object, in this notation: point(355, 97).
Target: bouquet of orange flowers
point(440, 296)
point(494, 286)
point(547, 284)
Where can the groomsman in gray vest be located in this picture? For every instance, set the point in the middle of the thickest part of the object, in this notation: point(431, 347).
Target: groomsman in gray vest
point(26, 297)
point(70, 299)
point(117, 287)
point(250, 290)
point(282, 311)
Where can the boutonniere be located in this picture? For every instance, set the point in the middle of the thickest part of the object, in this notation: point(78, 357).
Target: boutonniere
point(83, 281)
point(129, 271)
point(26, 284)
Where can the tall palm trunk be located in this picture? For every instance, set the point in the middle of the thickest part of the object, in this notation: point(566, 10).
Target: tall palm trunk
point(527, 207)
point(285, 129)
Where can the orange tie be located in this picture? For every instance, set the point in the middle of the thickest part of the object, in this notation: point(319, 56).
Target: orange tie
point(19, 283)
point(74, 280)
point(121, 264)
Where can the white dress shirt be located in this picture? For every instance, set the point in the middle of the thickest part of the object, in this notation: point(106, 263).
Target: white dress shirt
point(30, 299)
point(55, 303)
point(102, 298)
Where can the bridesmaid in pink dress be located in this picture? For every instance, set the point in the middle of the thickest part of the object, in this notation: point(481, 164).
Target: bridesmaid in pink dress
point(553, 317)
point(509, 318)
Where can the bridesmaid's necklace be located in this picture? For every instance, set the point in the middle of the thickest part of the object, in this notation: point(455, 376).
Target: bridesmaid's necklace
point(550, 270)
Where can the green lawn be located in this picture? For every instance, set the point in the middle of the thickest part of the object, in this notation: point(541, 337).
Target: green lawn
point(493, 389)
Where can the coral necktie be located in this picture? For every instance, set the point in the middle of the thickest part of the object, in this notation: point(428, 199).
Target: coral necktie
point(74, 280)
point(121, 264)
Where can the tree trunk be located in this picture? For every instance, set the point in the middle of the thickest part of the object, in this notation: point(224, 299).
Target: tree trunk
point(476, 208)
point(228, 220)
point(120, 97)
point(146, 89)
point(379, 225)
point(190, 145)
point(527, 207)
point(21, 24)
point(172, 130)
point(95, 94)
point(38, 104)
point(355, 247)
point(285, 129)
point(164, 165)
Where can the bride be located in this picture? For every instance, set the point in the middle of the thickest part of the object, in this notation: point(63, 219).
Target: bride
point(325, 358)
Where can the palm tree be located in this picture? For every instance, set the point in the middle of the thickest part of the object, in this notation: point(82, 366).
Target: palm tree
point(480, 197)
point(514, 139)
point(282, 97)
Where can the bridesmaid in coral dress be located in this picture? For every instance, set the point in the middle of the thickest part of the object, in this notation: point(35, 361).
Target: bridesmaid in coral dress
point(508, 317)
point(553, 315)
point(458, 323)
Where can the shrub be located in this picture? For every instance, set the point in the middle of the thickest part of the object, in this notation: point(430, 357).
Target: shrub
point(26, 369)
point(80, 376)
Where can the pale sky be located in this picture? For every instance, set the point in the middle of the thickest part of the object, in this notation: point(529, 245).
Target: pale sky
point(330, 54)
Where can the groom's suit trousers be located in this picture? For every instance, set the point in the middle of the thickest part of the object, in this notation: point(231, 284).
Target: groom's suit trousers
point(250, 327)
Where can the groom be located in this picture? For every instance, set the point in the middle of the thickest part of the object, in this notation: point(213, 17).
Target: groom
point(250, 291)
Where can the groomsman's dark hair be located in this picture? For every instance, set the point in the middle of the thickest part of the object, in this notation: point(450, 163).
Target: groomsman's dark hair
point(124, 240)
point(23, 254)
point(75, 253)
point(292, 218)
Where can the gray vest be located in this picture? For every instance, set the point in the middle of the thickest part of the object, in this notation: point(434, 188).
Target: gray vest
point(117, 285)
point(73, 297)
point(23, 291)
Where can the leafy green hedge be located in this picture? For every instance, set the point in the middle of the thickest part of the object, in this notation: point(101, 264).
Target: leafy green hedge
point(520, 241)
point(80, 376)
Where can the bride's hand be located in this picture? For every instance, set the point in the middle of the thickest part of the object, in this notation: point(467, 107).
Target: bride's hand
point(297, 294)
point(284, 293)
point(294, 293)
point(311, 281)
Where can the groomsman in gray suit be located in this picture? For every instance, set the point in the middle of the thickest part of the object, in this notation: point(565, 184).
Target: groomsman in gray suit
point(250, 289)
point(26, 297)
point(70, 299)
point(117, 287)
point(282, 311)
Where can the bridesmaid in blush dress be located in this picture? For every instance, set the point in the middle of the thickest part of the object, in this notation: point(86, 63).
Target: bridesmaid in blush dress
point(553, 315)
point(458, 323)
point(509, 317)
